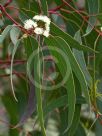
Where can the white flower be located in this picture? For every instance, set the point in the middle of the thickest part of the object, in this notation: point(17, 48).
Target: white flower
point(47, 27)
point(35, 24)
point(42, 30)
point(37, 17)
point(42, 18)
point(46, 20)
point(46, 33)
point(28, 24)
point(101, 28)
point(38, 30)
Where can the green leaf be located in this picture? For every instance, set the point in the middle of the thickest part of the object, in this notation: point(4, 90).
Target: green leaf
point(5, 33)
point(44, 7)
point(70, 40)
point(61, 101)
point(29, 44)
point(24, 4)
point(35, 56)
point(71, 99)
point(59, 2)
point(76, 120)
point(14, 34)
point(93, 6)
point(69, 84)
point(12, 110)
point(80, 130)
point(57, 41)
point(37, 70)
point(100, 6)
point(11, 76)
point(79, 55)
point(34, 6)
point(63, 64)
point(23, 15)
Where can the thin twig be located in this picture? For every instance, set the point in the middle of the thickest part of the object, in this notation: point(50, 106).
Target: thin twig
point(2, 8)
point(77, 11)
point(7, 3)
point(9, 61)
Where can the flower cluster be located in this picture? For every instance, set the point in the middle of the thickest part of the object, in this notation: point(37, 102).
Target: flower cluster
point(40, 24)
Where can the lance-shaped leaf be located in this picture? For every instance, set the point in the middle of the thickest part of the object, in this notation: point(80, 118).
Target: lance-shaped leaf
point(14, 34)
point(76, 119)
point(93, 7)
point(79, 55)
point(30, 45)
point(11, 71)
point(33, 70)
point(44, 7)
point(61, 101)
point(5, 33)
point(74, 65)
point(69, 84)
point(37, 78)
point(30, 108)
point(71, 99)
point(69, 39)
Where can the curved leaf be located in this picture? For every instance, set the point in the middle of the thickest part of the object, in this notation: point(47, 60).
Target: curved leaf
point(74, 65)
point(14, 34)
point(5, 33)
point(79, 55)
point(69, 84)
point(93, 6)
point(69, 39)
point(11, 71)
point(44, 7)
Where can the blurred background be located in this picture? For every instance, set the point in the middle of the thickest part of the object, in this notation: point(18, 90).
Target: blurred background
point(10, 110)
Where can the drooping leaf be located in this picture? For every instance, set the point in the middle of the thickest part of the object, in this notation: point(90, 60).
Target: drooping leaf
point(58, 2)
point(23, 4)
point(34, 62)
point(79, 55)
point(34, 6)
point(70, 40)
point(12, 109)
point(63, 64)
point(14, 34)
point(5, 33)
point(75, 122)
point(76, 119)
point(71, 99)
point(44, 7)
point(93, 7)
point(59, 42)
point(37, 76)
point(11, 69)
point(80, 130)
point(30, 108)
point(61, 101)
point(30, 44)
point(69, 84)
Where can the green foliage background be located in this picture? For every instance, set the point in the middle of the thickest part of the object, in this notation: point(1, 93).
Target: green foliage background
point(73, 109)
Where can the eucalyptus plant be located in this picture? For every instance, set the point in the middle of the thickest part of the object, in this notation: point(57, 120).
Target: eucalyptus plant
point(51, 67)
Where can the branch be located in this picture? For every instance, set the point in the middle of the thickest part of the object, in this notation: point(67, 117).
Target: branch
point(8, 16)
point(9, 61)
point(57, 8)
point(2, 8)
point(78, 12)
point(7, 3)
